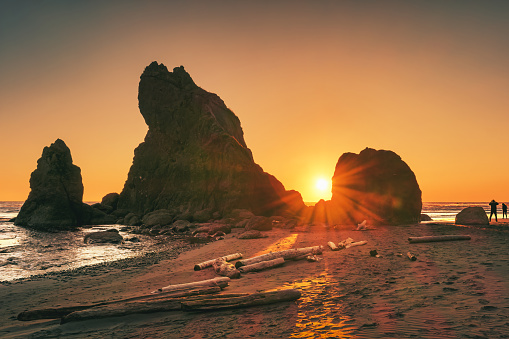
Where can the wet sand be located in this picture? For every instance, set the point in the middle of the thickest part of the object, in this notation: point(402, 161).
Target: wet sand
point(454, 289)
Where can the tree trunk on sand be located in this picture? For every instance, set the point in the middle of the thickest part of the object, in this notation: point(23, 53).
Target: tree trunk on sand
point(437, 238)
point(219, 281)
point(58, 312)
point(137, 307)
point(286, 254)
point(255, 299)
point(226, 269)
point(263, 265)
point(209, 263)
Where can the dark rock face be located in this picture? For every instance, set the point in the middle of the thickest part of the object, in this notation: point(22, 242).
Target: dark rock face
point(56, 197)
point(472, 216)
point(55, 202)
point(374, 185)
point(194, 157)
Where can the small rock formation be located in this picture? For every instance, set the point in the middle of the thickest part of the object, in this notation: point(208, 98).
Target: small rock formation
point(472, 216)
point(425, 217)
point(56, 197)
point(374, 185)
point(109, 236)
point(194, 159)
point(55, 202)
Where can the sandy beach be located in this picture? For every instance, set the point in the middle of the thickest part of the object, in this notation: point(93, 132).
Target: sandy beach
point(454, 289)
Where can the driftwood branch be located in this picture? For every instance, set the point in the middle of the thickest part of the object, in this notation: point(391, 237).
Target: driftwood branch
point(437, 238)
point(137, 307)
point(255, 299)
point(219, 281)
point(358, 243)
point(286, 254)
point(332, 246)
point(209, 263)
point(263, 265)
point(58, 312)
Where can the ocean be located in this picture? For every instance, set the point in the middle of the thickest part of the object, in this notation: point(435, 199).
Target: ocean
point(24, 253)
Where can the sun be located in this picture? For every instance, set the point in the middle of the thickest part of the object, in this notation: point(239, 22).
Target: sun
point(322, 185)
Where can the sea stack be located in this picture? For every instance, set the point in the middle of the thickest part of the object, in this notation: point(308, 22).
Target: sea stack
point(374, 185)
point(56, 198)
point(194, 158)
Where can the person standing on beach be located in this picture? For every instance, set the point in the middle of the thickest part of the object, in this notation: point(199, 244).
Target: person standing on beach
point(504, 210)
point(493, 205)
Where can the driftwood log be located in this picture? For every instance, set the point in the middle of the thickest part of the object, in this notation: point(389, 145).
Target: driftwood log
point(226, 269)
point(286, 254)
point(344, 243)
point(332, 246)
point(138, 307)
point(58, 312)
point(219, 281)
point(262, 265)
point(358, 243)
point(436, 238)
point(255, 299)
point(209, 263)
point(411, 256)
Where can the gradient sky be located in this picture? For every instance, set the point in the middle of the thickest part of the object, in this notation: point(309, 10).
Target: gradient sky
point(309, 81)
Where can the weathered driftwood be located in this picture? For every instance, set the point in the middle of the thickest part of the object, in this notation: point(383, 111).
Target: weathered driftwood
point(332, 246)
point(358, 243)
point(255, 299)
point(263, 265)
point(436, 238)
point(137, 307)
point(411, 256)
point(286, 254)
point(313, 258)
point(209, 263)
point(344, 243)
point(58, 312)
point(219, 281)
point(226, 269)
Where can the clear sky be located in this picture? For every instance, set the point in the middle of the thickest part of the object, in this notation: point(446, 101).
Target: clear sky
point(309, 81)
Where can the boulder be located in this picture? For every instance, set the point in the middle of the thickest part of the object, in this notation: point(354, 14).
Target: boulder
point(472, 216)
point(203, 215)
point(194, 155)
point(181, 226)
point(109, 236)
point(104, 208)
point(425, 217)
point(55, 201)
point(110, 199)
point(158, 217)
point(132, 219)
point(252, 234)
point(374, 185)
point(259, 223)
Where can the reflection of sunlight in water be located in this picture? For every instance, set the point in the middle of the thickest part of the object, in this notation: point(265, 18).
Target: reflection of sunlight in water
point(280, 245)
point(320, 309)
point(25, 252)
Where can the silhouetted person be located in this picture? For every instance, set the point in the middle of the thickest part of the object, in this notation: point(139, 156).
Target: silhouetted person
point(504, 210)
point(493, 205)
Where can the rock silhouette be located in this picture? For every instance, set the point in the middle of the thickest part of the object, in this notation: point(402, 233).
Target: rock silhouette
point(56, 197)
point(194, 157)
point(55, 201)
point(374, 185)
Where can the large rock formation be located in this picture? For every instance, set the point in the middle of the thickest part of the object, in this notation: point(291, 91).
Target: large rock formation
point(55, 201)
point(56, 197)
point(194, 156)
point(374, 185)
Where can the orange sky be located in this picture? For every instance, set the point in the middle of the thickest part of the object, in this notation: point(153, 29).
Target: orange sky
point(309, 81)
